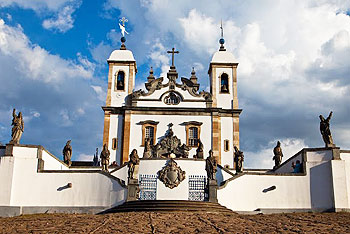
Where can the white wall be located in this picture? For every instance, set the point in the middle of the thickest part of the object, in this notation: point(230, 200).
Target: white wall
point(31, 188)
point(227, 134)
point(6, 174)
point(52, 163)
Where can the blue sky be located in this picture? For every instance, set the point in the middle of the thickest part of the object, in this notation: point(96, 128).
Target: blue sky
point(294, 64)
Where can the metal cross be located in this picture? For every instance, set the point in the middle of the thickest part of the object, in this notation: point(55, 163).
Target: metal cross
point(123, 21)
point(172, 56)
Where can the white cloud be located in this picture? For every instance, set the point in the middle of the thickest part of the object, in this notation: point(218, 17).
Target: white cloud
point(101, 93)
point(63, 21)
point(159, 57)
point(36, 63)
point(61, 11)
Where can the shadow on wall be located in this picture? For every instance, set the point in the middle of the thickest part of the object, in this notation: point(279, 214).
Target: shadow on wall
point(321, 188)
point(67, 186)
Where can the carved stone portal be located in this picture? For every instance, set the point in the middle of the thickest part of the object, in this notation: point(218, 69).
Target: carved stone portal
point(171, 175)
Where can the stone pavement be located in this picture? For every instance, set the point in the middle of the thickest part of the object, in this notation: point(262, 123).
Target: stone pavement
point(178, 222)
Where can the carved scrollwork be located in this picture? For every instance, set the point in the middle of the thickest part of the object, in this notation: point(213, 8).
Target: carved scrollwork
point(171, 175)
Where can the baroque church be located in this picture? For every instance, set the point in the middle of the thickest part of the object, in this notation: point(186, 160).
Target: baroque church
point(175, 146)
point(133, 119)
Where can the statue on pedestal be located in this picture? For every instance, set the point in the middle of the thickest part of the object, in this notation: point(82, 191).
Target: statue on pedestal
point(325, 130)
point(239, 158)
point(277, 151)
point(17, 129)
point(133, 161)
point(147, 152)
point(67, 153)
point(105, 158)
point(199, 150)
point(211, 166)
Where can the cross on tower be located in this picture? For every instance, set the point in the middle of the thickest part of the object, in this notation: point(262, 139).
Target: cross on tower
point(123, 21)
point(222, 30)
point(172, 57)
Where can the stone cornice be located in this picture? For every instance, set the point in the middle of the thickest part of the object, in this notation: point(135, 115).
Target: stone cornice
point(173, 110)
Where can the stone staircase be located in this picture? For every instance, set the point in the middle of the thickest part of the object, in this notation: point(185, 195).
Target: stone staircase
point(169, 206)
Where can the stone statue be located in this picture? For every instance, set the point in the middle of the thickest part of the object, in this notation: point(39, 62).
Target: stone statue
point(17, 129)
point(105, 158)
point(147, 152)
point(277, 151)
point(133, 161)
point(199, 151)
point(183, 151)
point(239, 158)
point(211, 166)
point(67, 153)
point(325, 130)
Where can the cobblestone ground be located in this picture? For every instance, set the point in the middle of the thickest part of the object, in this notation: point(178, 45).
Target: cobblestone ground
point(195, 222)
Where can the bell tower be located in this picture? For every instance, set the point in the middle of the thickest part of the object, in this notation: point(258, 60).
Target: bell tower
point(121, 81)
point(223, 87)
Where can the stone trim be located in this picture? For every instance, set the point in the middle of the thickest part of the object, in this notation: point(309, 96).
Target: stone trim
point(344, 151)
point(126, 137)
point(216, 136)
point(106, 126)
point(228, 83)
point(186, 159)
point(115, 80)
point(173, 111)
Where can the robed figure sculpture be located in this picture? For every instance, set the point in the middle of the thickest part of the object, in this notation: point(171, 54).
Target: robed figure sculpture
point(239, 158)
point(211, 166)
point(105, 158)
point(134, 160)
point(277, 151)
point(326, 131)
point(17, 129)
point(67, 153)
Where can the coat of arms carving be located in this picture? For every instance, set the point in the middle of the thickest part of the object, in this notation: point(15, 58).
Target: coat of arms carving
point(171, 175)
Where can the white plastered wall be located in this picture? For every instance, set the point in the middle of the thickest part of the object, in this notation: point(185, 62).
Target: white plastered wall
point(162, 127)
point(227, 134)
point(28, 187)
point(115, 131)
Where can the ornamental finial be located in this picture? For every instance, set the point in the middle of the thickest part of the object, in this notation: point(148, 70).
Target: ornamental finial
point(123, 31)
point(222, 40)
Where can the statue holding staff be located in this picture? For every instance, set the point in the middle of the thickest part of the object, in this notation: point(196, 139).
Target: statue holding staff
point(17, 129)
point(326, 131)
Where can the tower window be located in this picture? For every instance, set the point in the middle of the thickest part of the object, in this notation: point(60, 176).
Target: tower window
point(224, 87)
point(114, 143)
point(120, 81)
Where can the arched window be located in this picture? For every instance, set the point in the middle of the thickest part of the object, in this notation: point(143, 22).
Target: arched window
point(224, 87)
point(120, 81)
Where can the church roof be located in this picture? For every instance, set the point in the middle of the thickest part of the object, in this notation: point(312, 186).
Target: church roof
point(121, 55)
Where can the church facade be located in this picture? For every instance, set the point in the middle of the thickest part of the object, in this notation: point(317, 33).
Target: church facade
point(135, 119)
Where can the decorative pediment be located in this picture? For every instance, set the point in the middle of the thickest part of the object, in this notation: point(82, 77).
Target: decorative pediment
point(189, 85)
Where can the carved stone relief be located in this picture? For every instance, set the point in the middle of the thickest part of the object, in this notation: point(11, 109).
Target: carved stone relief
point(171, 175)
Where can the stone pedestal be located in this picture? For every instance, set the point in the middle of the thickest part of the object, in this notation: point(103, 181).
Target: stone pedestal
point(213, 186)
point(133, 190)
point(9, 149)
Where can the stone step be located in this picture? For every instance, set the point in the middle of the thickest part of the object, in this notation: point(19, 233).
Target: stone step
point(168, 206)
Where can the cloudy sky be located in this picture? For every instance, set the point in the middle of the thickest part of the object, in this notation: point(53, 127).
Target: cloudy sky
point(294, 64)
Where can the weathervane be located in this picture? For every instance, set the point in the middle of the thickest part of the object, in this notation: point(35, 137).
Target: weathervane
point(122, 26)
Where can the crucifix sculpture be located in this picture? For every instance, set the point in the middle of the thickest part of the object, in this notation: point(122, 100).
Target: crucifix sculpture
point(172, 56)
